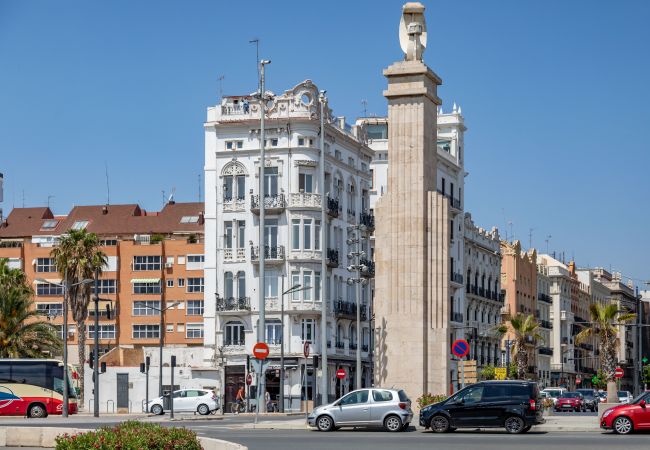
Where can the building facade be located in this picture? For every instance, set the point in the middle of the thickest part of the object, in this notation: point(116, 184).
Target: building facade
point(544, 306)
point(295, 240)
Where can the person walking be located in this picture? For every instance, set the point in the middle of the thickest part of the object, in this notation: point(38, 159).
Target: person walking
point(239, 399)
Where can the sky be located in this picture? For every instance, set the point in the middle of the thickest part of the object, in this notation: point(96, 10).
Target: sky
point(555, 97)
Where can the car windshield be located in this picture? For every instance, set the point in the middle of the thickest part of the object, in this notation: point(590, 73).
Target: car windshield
point(553, 394)
point(587, 393)
point(622, 393)
point(571, 395)
point(642, 396)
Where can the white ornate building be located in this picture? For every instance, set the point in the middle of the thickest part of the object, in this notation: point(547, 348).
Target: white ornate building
point(543, 315)
point(293, 243)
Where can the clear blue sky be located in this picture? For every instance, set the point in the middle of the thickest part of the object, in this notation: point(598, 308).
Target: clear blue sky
point(555, 96)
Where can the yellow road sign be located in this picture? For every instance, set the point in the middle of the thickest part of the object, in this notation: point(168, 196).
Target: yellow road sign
point(500, 373)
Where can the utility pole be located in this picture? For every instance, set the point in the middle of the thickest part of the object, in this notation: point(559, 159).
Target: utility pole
point(323, 264)
point(96, 349)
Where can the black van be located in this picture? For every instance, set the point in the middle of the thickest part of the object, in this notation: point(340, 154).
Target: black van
point(514, 405)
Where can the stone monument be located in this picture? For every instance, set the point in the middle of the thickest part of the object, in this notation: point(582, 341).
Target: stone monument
point(412, 306)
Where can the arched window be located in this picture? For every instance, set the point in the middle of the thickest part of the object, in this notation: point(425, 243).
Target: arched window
point(353, 336)
point(234, 181)
point(339, 336)
point(234, 333)
point(228, 291)
point(241, 284)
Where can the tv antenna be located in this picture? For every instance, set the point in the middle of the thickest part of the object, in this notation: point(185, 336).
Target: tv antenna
point(108, 187)
point(171, 196)
point(48, 200)
point(364, 102)
point(256, 41)
point(221, 77)
point(548, 238)
point(530, 238)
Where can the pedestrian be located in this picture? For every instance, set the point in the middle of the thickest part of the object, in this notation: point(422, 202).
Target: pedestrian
point(267, 400)
point(239, 399)
point(246, 106)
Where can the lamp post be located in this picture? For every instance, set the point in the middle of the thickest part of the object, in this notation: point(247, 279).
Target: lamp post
point(64, 284)
point(358, 281)
point(161, 343)
point(563, 350)
point(291, 290)
point(324, 390)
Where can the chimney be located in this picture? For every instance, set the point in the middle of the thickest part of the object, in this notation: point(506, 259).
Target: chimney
point(104, 210)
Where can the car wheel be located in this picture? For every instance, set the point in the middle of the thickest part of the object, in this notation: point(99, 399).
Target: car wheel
point(623, 425)
point(514, 425)
point(392, 423)
point(439, 424)
point(157, 410)
point(324, 423)
point(203, 409)
point(36, 412)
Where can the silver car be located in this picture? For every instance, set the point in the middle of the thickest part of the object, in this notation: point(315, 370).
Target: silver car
point(388, 408)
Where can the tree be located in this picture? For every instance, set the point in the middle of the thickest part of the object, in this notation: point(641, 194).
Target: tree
point(604, 326)
point(524, 335)
point(22, 332)
point(77, 258)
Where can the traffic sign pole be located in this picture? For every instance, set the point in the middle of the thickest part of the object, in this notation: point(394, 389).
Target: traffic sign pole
point(462, 373)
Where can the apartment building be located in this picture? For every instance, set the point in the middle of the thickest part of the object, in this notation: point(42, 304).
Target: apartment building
point(155, 261)
point(295, 240)
point(543, 315)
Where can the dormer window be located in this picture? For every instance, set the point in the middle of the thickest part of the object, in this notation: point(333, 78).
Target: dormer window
point(49, 224)
point(80, 225)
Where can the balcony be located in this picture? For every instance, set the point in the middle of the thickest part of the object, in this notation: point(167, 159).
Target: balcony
point(340, 345)
point(481, 292)
point(364, 347)
point(233, 304)
point(329, 344)
point(353, 346)
point(544, 298)
point(457, 278)
point(305, 200)
point(368, 220)
point(333, 208)
point(273, 204)
point(368, 270)
point(545, 351)
point(546, 324)
point(272, 254)
point(332, 258)
point(457, 317)
point(454, 203)
point(234, 204)
point(349, 310)
point(234, 254)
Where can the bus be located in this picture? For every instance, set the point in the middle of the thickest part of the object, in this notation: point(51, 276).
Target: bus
point(34, 388)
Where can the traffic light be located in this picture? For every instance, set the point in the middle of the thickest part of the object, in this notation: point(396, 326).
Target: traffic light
point(91, 360)
point(143, 368)
point(173, 361)
point(248, 363)
point(102, 365)
point(147, 361)
point(315, 361)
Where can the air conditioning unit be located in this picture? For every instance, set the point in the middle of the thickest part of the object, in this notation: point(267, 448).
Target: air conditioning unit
point(169, 265)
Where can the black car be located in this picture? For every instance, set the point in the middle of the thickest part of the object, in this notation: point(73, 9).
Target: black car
point(514, 405)
point(591, 398)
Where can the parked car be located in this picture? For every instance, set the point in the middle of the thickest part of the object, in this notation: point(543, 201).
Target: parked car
point(186, 400)
point(570, 401)
point(628, 417)
point(624, 396)
point(387, 408)
point(514, 405)
point(554, 393)
point(591, 398)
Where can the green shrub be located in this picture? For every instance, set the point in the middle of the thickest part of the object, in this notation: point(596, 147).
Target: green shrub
point(488, 372)
point(429, 399)
point(131, 436)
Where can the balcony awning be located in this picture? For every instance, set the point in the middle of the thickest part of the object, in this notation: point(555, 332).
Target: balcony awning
point(145, 280)
point(48, 281)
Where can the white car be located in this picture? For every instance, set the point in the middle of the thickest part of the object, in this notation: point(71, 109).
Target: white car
point(187, 400)
point(624, 396)
point(554, 393)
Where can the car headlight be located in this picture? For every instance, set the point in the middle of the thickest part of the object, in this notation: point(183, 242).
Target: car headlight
point(607, 413)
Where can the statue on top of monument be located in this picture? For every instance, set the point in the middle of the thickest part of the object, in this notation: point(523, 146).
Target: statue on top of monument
point(413, 31)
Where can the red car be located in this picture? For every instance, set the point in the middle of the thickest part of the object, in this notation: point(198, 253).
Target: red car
point(628, 417)
point(570, 401)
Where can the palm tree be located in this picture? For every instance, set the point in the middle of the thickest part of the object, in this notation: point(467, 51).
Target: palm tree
point(77, 258)
point(22, 332)
point(525, 335)
point(604, 326)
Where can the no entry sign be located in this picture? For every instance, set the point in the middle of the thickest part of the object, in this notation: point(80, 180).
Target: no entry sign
point(460, 348)
point(260, 350)
point(340, 374)
point(305, 349)
point(618, 373)
point(249, 379)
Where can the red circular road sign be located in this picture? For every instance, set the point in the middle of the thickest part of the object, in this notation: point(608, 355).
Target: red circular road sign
point(249, 379)
point(260, 350)
point(578, 380)
point(340, 374)
point(305, 349)
point(618, 373)
point(460, 348)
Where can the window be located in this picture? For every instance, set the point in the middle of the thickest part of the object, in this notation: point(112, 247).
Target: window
point(354, 398)
point(169, 328)
point(274, 332)
point(170, 283)
point(195, 262)
point(295, 232)
point(469, 396)
point(377, 131)
point(106, 287)
point(181, 282)
point(195, 284)
point(301, 141)
point(337, 155)
point(271, 233)
point(317, 235)
point(146, 287)
point(108, 242)
point(382, 396)
point(49, 224)
point(105, 331)
point(305, 182)
point(50, 309)
point(306, 236)
point(146, 307)
point(234, 187)
point(195, 307)
point(189, 219)
point(228, 286)
point(234, 145)
point(273, 142)
point(241, 234)
point(271, 282)
point(45, 265)
point(194, 331)
point(146, 331)
point(241, 284)
point(227, 234)
point(316, 285)
point(146, 263)
point(270, 181)
point(80, 225)
point(306, 283)
point(48, 290)
point(234, 333)
point(295, 280)
point(308, 330)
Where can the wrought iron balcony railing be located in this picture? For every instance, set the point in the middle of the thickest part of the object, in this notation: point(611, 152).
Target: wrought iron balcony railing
point(271, 253)
point(274, 202)
point(234, 304)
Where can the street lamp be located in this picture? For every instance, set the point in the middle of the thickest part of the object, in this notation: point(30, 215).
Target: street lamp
point(162, 341)
point(64, 284)
point(291, 290)
point(358, 281)
point(563, 350)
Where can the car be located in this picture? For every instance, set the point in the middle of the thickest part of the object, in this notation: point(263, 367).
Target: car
point(624, 396)
point(513, 405)
point(202, 401)
point(628, 417)
point(554, 393)
point(376, 407)
point(590, 398)
point(570, 401)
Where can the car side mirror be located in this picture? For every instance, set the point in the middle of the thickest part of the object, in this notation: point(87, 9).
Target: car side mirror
point(642, 403)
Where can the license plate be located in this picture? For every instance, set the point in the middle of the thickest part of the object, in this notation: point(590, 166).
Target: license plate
point(567, 406)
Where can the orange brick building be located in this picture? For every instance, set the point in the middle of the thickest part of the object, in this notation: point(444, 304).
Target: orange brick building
point(155, 259)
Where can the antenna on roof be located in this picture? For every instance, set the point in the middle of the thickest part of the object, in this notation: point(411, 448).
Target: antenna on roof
point(200, 188)
point(48, 200)
point(170, 200)
point(256, 41)
point(221, 77)
point(108, 187)
point(23, 198)
point(364, 102)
